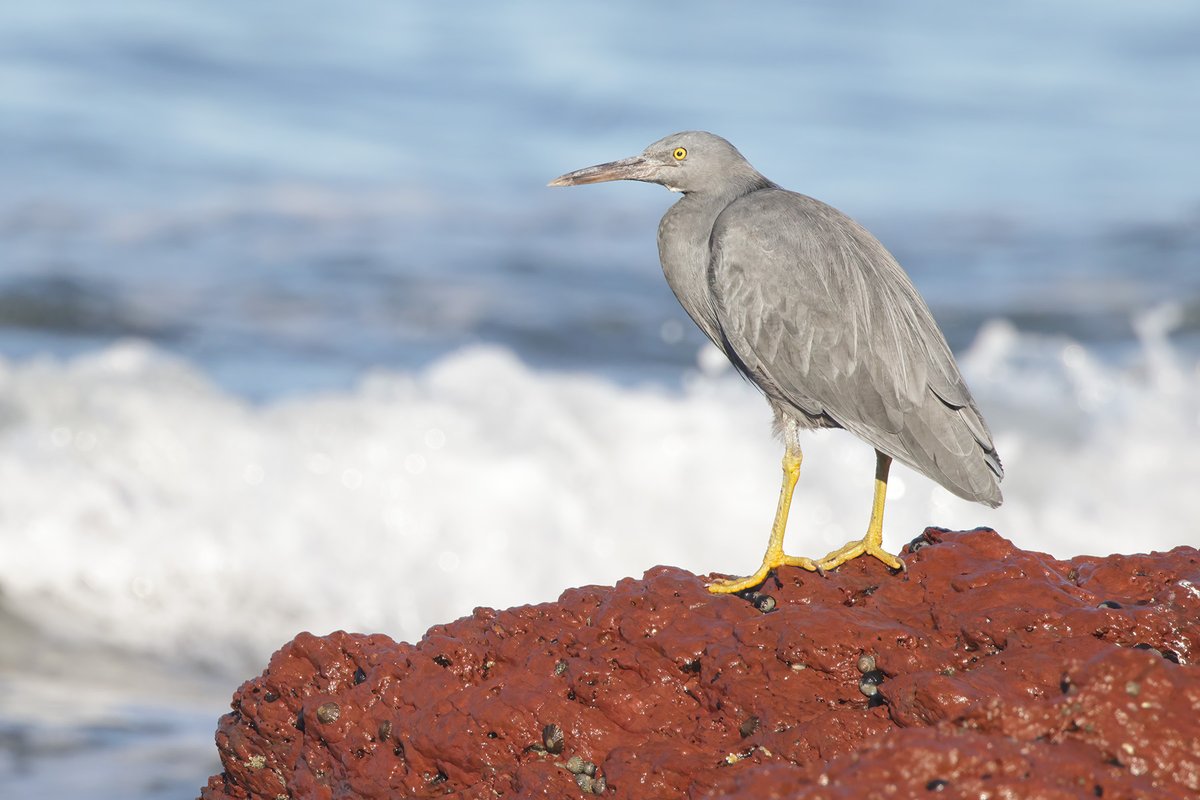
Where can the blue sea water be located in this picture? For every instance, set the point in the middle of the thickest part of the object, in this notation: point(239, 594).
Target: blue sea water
point(283, 282)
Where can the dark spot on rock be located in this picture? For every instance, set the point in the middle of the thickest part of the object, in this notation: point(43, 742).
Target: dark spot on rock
point(299, 724)
point(1172, 656)
point(270, 697)
point(690, 667)
point(1098, 790)
point(441, 660)
point(918, 543)
point(552, 738)
point(869, 685)
point(748, 726)
point(492, 735)
point(936, 785)
point(360, 675)
point(328, 712)
point(571, 694)
point(440, 777)
point(1109, 604)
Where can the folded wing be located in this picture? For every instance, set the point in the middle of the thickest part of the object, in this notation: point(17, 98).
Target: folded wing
point(817, 312)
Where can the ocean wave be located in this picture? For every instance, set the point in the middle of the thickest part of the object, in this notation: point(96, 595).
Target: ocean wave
point(145, 508)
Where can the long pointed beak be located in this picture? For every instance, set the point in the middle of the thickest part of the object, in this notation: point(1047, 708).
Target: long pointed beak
point(637, 168)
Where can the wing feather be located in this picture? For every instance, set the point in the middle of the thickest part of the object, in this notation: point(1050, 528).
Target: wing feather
point(816, 312)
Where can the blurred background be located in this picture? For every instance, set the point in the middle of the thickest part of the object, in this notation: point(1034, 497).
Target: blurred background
point(293, 336)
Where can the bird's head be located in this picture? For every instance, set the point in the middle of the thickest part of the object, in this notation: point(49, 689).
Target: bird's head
point(691, 161)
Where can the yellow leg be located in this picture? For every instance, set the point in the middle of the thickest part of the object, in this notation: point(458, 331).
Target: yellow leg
point(774, 557)
point(872, 543)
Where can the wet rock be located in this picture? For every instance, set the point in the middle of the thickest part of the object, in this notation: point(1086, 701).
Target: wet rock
point(1008, 673)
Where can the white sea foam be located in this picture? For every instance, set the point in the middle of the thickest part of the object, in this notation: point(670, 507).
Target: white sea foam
point(142, 507)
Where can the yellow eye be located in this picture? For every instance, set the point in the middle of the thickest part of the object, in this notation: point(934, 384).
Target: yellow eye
point(680, 154)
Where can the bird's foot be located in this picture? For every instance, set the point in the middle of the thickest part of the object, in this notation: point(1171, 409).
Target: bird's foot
point(867, 546)
point(770, 562)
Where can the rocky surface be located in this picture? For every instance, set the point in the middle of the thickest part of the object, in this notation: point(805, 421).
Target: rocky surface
point(984, 671)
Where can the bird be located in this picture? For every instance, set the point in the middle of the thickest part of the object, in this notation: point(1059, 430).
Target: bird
point(815, 312)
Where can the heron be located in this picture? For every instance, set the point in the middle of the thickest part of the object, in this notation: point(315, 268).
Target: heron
point(812, 309)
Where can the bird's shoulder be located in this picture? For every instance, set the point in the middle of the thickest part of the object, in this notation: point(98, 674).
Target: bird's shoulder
point(775, 223)
point(802, 259)
point(777, 212)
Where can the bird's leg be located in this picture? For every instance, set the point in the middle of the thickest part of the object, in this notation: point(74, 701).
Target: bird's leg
point(872, 543)
point(774, 556)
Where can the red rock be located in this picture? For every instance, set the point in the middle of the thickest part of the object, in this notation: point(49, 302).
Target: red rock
point(1001, 675)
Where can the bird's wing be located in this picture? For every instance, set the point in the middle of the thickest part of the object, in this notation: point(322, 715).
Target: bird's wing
point(814, 309)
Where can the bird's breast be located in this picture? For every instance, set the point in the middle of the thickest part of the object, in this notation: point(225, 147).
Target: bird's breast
point(683, 249)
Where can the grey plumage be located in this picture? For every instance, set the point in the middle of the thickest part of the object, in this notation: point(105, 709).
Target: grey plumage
point(818, 314)
point(813, 310)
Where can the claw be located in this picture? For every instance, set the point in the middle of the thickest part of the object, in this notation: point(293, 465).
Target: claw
point(771, 562)
point(735, 585)
point(867, 546)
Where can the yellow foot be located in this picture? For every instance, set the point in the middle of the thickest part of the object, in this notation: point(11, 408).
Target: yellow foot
point(867, 546)
point(772, 561)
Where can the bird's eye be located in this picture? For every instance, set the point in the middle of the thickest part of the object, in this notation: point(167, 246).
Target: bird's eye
point(680, 154)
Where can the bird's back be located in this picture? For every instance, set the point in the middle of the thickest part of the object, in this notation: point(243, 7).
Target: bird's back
point(816, 312)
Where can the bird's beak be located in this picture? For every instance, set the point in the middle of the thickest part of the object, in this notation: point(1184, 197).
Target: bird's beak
point(637, 168)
